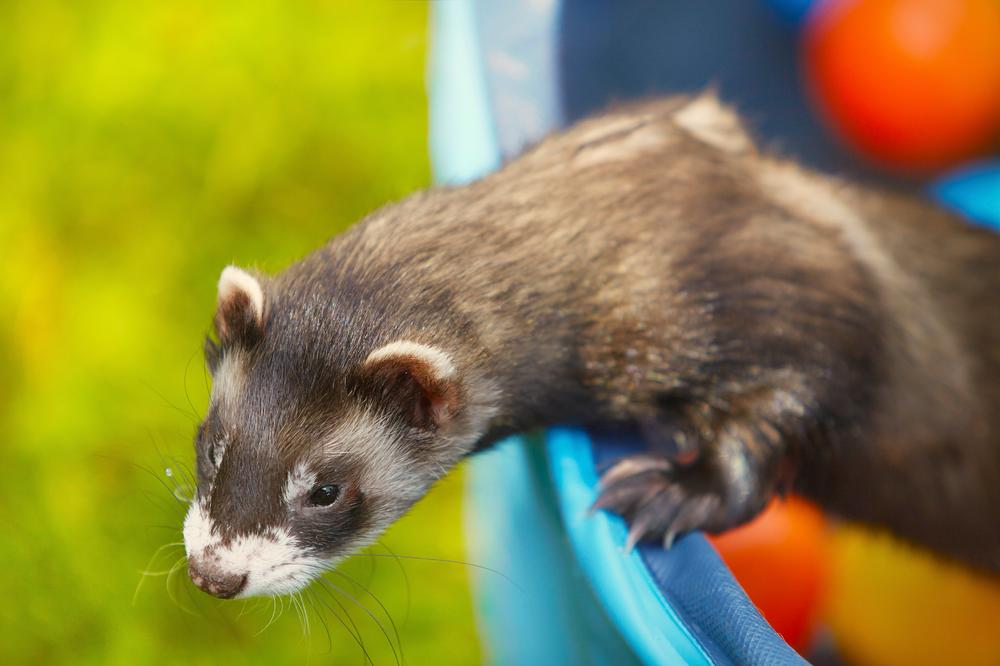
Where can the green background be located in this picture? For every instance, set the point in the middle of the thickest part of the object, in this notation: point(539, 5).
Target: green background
point(143, 146)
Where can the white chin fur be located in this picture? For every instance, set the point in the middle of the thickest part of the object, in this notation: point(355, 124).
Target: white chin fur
point(272, 561)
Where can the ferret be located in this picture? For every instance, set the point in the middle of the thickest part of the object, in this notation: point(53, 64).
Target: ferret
point(763, 328)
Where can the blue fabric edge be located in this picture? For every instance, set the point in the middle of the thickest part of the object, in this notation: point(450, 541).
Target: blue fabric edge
point(656, 596)
point(621, 580)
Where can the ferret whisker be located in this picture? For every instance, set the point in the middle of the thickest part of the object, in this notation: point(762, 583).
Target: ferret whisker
point(369, 575)
point(310, 596)
point(187, 474)
point(157, 501)
point(260, 604)
point(145, 469)
point(193, 415)
point(243, 608)
point(184, 495)
point(206, 377)
point(331, 589)
point(306, 628)
point(392, 623)
point(274, 611)
point(281, 608)
point(317, 600)
point(270, 621)
point(180, 489)
point(184, 482)
point(249, 607)
point(356, 633)
point(172, 544)
point(366, 590)
point(442, 560)
point(145, 573)
point(170, 591)
point(155, 574)
point(406, 578)
point(378, 622)
point(187, 394)
point(171, 528)
point(293, 599)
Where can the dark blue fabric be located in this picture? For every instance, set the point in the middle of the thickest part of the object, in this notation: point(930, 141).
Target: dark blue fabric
point(714, 606)
point(700, 588)
point(616, 50)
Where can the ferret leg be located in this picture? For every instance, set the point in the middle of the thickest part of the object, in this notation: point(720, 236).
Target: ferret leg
point(726, 482)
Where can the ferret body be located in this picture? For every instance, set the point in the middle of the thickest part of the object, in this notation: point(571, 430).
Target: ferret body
point(763, 327)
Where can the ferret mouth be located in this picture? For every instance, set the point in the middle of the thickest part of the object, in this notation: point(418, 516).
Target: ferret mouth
point(276, 580)
point(270, 563)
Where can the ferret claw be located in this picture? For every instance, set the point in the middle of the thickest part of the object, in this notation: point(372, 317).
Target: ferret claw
point(655, 500)
point(636, 464)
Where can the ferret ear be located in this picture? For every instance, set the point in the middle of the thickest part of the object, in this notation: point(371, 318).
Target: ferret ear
point(420, 378)
point(239, 316)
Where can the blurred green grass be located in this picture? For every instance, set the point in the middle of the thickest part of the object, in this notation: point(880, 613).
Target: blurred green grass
point(143, 146)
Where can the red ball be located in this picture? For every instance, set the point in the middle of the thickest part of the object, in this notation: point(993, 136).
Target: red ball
point(780, 558)
point(912, 84)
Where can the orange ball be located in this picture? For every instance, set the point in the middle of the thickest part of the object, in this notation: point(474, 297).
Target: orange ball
point(912, 84)
point(780, 560)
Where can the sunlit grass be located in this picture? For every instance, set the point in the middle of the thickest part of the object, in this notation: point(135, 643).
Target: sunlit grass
point(143, 146)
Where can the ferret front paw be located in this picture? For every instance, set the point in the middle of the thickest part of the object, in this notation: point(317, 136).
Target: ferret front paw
point(662, 500)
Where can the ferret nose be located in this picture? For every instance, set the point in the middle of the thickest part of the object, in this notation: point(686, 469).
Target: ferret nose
point(217, 584)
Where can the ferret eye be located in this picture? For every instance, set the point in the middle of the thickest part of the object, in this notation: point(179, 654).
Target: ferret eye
point(324, 495)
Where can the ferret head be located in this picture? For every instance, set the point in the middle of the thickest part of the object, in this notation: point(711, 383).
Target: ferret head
point(311, 446)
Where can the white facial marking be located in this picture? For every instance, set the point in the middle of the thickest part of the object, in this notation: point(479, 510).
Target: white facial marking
point(198, 528)
point(439, 362)
point(234, 280)
point(384, 470)
point(272, 561)
point(299, 482)
point(229, 377)
point(218, 449)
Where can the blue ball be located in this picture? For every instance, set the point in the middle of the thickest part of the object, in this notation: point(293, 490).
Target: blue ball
point(973, 191)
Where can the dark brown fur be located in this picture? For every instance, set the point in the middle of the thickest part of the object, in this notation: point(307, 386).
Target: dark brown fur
point(766, 327)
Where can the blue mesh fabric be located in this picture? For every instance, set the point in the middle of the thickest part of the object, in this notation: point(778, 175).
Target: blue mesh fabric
point(713, 605)
point(702, 591)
